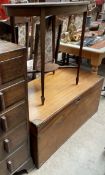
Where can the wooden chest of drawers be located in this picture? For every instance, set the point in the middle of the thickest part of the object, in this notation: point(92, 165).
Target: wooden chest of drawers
point(14, 130)
point(67, 108)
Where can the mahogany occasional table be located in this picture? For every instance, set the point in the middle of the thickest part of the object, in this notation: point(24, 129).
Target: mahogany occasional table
point(43, 10)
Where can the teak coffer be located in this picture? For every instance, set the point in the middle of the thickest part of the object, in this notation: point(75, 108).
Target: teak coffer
point(67, 107)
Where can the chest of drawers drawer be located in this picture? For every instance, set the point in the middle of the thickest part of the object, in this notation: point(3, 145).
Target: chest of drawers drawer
point(10, 164)
point(13, 117)
point(13, 140)
point(12, 69)
point(11, 95)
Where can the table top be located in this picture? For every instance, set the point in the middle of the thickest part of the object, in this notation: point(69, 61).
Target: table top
point(47, 4)
point(98, 47)
point(51, 8)
point(6, 47)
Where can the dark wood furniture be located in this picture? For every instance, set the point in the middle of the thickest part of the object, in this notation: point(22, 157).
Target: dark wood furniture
point(47, 9)
point(67, 107)
point(14, 121)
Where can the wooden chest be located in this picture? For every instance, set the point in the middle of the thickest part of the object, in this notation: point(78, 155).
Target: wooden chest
point(14, 132)
point(66, 108)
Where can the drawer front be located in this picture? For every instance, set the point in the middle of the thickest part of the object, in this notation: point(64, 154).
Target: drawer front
point(13, 140)
point(13, 117)
point(9, 165)
point(11, 95)
point(12, 69)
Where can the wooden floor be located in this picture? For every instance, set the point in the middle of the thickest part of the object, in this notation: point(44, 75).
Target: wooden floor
point(60, 89)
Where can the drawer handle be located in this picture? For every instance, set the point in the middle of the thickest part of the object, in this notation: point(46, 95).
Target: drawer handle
point(4, 125)
point(2, 103)
point(10, 166)
point(7, 145)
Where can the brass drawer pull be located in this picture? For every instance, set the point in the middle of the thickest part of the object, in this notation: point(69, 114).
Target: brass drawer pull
point(2, 103)
point(7, 145)
point(4, 125)
point(10, 166)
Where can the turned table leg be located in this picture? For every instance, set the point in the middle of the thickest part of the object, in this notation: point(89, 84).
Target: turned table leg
point(95, 63)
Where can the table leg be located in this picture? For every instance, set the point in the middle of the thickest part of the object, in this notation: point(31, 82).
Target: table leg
point(42, 35)
point(81, 45)
point(53, 38)
point(12, 23)
point(27, 37)
point(95, 64)
point(32, 37)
